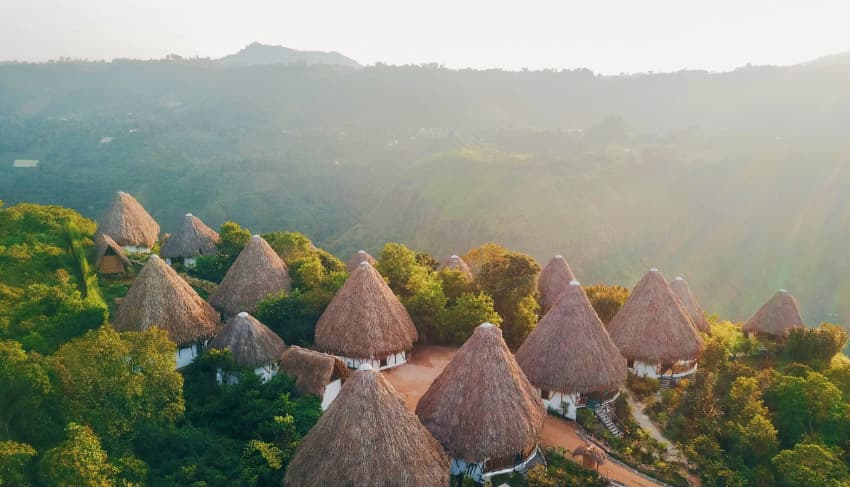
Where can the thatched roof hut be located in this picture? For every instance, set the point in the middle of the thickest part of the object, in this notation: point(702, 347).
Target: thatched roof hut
point(110, 257)
point(191, 240)
point(683, 292)
point(365, 319)
point(777, 316)
point(251, 343)
point(592, 456)
point(256, 273)
point(160, 297)
point(570, 351)
point(652, 326)
point(455, 263)
point(312, 370)
point(359, 257)
point(553, 279)
point(368, 437)
point(128, 223)
point(482, 406)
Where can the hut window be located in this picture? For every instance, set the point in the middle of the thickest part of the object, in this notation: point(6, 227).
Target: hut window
point(545, 394)
point(383, 362)
point(630, 363)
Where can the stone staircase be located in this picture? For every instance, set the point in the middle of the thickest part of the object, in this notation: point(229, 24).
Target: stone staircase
point(606, 416)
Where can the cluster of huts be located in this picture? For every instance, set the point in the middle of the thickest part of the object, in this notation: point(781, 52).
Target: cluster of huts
point(480, 417)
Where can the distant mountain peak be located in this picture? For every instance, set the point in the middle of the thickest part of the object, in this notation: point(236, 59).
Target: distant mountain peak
point(257, 53)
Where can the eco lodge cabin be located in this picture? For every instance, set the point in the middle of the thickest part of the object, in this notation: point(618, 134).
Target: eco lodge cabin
point(368, 437)
point(160, 297)
point(315, 373)
point(252, 345)
point(365, 323)
point(553, 280)
point(483, 409)
point(654, 333)
point(110, 258)
point(190, 241)
point(359, 257)
point(257, 272)
point(129, 225)
point(689, 302)
point(569, 357)
point(776, 317)
point(455, 263)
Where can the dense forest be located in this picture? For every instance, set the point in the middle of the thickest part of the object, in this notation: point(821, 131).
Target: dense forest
point(81, 404)
point(734, 180)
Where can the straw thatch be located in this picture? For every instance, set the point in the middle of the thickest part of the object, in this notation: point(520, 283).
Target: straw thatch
point(482, 406)
point(312, 370)
point(160, 297)
point(110, 257)
point(128, 223)
point(193, 239)
point(777, 316)
point(553, 279)
point(359, 257)
point(652, 326)
point(570, 351)
point(256, 273)
point(368, 437)
point(683, 292)
point(592, 455)
point(455, 263)
point(251, 343)
point(365, 319)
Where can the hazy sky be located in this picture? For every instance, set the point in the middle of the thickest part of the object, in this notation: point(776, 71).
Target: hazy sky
point(605, 36)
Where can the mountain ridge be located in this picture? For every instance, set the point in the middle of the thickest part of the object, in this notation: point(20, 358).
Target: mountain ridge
point(256, 53)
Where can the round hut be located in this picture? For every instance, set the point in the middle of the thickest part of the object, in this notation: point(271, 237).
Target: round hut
point(251, 343)
point(654, 333)
point(483, 409)
point(314, 372)
point(110, 257)
point(256, 273)
point(160, 297)
point(553, 279)
point(191, 240)
point(358, 258)
point(366, 323)
point(129, 225)
point(455, 263)
point(776, 317)
point(570, 358)
point(683, 292)
point(368, 437)
point(591, 456)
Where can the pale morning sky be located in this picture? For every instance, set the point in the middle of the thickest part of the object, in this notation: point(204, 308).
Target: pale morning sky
point(606, 36)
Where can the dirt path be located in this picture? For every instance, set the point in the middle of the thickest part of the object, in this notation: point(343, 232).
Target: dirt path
point(413, 379)
point(647, 425)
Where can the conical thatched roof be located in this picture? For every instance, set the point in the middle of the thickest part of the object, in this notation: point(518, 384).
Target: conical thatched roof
point(552, 281)
point(652, 326)
point(359, 257)
point(570, 351)
point(128, 223)
point(193, 239)
point(368, 437)
point(312, 370)
point(365, 319)
point(103, 243)
point(251, 343)
point(482, 406)
point(256, 273)
point(593, 452)
point(160, 297)
point(777, 316)
point(680, 288)
point(455, 263)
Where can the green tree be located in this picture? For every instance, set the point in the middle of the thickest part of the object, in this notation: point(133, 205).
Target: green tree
point(79, 461)
point(811, 465)
point(16, 464)
point(426, 306)
point(455, 283)
point(233, 239)
point(809, 404)
point(118, 381)
point(26, 396)
point(815, 346)
point(290, 246)
point(606, 300)
point(459, 320)
point(404, 274)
